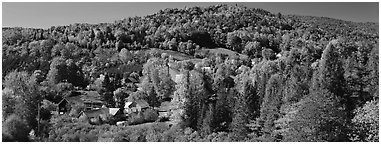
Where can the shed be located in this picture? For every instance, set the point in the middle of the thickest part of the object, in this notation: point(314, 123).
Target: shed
point(165, 109)
point(65, 104)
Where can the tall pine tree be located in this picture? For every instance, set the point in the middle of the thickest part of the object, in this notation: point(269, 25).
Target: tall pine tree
point(241, 107)
point(322, 115)
point(271, 105)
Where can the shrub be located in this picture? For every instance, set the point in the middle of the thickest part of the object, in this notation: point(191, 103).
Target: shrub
point(365, 123)
point(15, 129)
point(150, 115)
point(135, 118)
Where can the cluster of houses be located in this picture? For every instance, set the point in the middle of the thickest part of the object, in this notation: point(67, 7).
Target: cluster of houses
point(95, 110)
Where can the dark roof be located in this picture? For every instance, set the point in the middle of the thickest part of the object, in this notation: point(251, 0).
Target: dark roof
point(74, 93)
point(139, 103)
point(165, 106)
point(229, 81)
point(84, 97)
point(90, 94)
point(142, 103)
point(74, 99)
point(133, 80)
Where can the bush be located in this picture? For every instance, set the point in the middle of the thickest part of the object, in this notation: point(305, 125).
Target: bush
point(218, 137)
point(135, 118)
point(171, 134)
point(150, 115)
point(106, 137)
point(15, 129)
point(365, 123)
point(140, 133)
point(6, 137)
point(64, 129)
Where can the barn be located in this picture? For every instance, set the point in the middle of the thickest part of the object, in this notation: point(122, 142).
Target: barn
point(89, 99)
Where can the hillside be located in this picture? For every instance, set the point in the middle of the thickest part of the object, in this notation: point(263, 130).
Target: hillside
point(230, 73)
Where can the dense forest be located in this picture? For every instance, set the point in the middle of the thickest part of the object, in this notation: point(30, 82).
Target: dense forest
point(228, 73)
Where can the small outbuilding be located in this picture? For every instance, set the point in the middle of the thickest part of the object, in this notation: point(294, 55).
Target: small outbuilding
point(165, 109)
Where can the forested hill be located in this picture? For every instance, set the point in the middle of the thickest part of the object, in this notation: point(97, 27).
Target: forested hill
point(234, 73)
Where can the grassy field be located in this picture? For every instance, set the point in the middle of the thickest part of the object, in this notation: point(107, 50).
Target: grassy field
point(228, 52)
point(176, 55)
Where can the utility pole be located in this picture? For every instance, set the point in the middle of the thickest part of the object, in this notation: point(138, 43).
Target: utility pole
point(38, 120)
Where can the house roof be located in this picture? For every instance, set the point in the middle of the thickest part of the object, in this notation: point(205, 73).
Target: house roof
point(92, 96)
point(133, 80)
point(84, 97)
point(127, 104)
point(113, 111)
point(89, 100)
point(165, 106)
point(139, 103)
point(142, 103)
point(95, 113)
point(92, 93)
point(75, 99)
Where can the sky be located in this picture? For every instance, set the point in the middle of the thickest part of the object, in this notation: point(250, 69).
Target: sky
point(45, 15)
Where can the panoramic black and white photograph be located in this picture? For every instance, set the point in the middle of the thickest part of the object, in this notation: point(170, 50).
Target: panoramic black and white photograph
point(190, 71)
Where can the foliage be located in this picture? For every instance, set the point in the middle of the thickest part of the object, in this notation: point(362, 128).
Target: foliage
point(148, 115)
point(25, 95)
point(262, 76)
point(15, 129)
point(120, 95)
point(68, 129)
point(270, 106)
point(365, 123)
point(319, 117)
